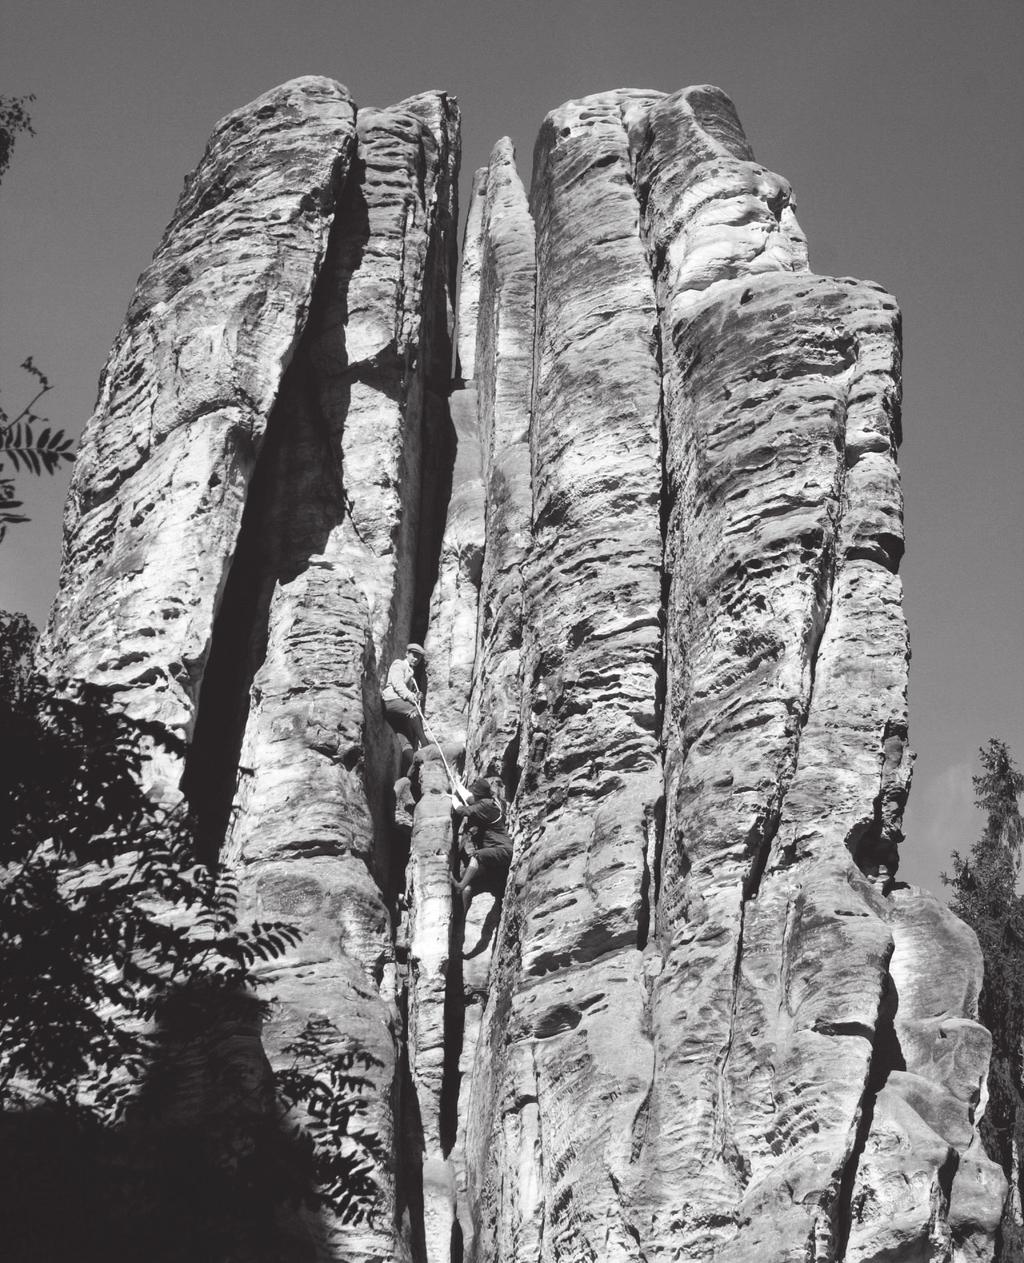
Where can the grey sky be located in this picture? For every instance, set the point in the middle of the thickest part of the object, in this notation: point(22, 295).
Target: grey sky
point(899, 123)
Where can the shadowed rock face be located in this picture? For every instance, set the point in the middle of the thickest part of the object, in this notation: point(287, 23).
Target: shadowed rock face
point(650, 530)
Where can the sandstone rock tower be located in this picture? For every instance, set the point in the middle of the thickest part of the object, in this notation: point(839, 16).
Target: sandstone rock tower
point(649, 530)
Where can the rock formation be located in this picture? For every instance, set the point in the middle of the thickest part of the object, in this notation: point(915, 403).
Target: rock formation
point(650, 530)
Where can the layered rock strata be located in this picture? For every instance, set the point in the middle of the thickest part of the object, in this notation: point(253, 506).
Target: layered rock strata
point(729, 1111)
point(651, 541)
point(499, 278)
point(363, 416)
point(566, 1003)
point(349, 449)
point(166, 460)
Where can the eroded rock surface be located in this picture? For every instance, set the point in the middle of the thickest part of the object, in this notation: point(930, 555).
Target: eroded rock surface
point(649, 530)
point(163, 472)
point(291, 766)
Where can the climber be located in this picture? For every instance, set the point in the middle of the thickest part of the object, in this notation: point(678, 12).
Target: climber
point(402, 697)
point(486, 846)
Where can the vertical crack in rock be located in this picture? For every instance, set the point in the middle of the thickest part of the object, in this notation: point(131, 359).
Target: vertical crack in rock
point(503, 355)
point(437, 1017)
point(591, 769)
point(312, 832)
point(409, 1190)
point(238, 639)
point(550, 1209)
point(440, 441)
point(297, 497)
point(454, 1030)
point(885, 1058)
point(496, 350)
point(165, 463)
point(631, 113)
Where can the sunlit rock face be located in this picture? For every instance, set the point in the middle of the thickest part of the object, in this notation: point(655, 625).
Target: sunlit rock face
point(166, 460)
point(642, 508)
point(295, 498)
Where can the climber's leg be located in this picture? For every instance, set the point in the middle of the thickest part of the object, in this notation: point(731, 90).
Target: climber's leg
point(404, 718)
point(472, 868)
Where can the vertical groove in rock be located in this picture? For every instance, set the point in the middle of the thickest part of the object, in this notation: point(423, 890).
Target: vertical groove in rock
point(879, 1066)
point(434, 953)
point(469, 282)
point(633, 111)
point(922, 1180)
point(440, 442)
point(500, 277)
point(566, 1009)
point(162, 475)
point(310, 834)
point(503, 356)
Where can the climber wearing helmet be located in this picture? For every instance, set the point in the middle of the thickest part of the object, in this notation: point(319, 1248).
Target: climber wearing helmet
point(401, 696)
point(486, 846)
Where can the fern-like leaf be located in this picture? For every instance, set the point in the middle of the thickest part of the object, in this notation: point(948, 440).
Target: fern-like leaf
point(34, 452)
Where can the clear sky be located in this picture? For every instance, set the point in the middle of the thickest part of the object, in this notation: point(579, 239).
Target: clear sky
point(899, 123)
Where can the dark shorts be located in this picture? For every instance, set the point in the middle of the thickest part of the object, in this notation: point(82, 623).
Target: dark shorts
point(494, 861)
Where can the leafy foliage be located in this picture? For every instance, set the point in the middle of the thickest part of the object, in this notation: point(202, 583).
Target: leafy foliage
point(322, 1084)
point(105, 910)
point(28, 443)
point(28, 449)
point(984, 895)
point(14, 118)
point(123, 961)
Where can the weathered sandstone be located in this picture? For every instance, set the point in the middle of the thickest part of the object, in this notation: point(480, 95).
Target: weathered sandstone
point(165, 463)
point(291, 764)
point(433, 949)
point(648, 524)
point(562, 1066)
point(923, 1176)
point(503, 356)
point(307, 828)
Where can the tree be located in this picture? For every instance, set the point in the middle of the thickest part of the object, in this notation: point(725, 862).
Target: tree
point(984, 894)
point(127, 977)
point(14, 118)
point(28, 443)
point(105, 909)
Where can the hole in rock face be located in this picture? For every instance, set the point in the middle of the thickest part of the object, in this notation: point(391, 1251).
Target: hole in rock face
point(471, 563)
point(564, 1017)
point(777, 204)
point(579, 632)
point(510, 770)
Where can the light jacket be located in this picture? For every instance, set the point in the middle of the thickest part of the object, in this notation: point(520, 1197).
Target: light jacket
point(401, 683)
